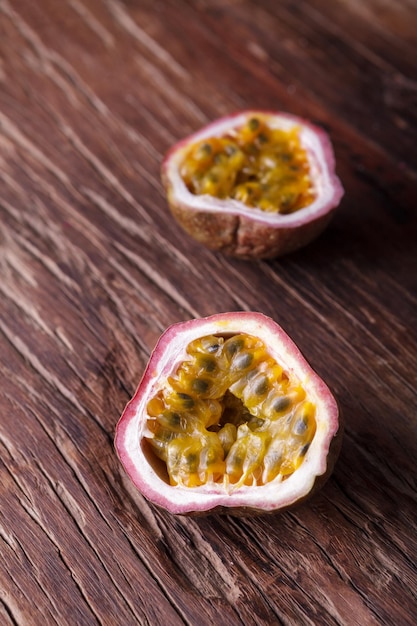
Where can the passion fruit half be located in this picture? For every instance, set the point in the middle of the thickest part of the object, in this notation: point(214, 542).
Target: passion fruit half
point(228, 417)
point(256, 184)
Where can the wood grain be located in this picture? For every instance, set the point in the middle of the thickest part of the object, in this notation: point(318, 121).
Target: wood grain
point(93, 269)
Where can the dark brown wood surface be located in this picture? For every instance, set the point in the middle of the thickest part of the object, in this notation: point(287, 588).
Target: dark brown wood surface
point(93, 269)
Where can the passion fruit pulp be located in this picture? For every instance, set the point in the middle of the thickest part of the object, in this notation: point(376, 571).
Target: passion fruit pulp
point(262, 167)
point(255, 184)
point(228, 417)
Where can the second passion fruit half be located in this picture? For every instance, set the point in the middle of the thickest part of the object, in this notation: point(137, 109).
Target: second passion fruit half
point(228, 417)
point(255, 184)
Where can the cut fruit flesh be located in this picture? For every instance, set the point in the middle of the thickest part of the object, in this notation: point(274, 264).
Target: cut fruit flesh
point(225, 439)
point(230, 414)
point(260, 166)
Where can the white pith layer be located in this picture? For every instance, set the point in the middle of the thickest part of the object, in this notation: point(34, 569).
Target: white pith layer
point(319, 153)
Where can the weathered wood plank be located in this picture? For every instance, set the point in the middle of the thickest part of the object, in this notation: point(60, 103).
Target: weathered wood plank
point(93, 269)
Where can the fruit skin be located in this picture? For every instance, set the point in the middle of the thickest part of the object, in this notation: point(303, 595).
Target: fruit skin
point(228, 226)
point(169, 351)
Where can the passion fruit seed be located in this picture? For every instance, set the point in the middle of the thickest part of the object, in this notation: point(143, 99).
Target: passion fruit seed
point(257, 165)
point(230, 414)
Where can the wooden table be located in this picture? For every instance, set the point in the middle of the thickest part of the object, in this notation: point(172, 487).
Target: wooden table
point(94, 268)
